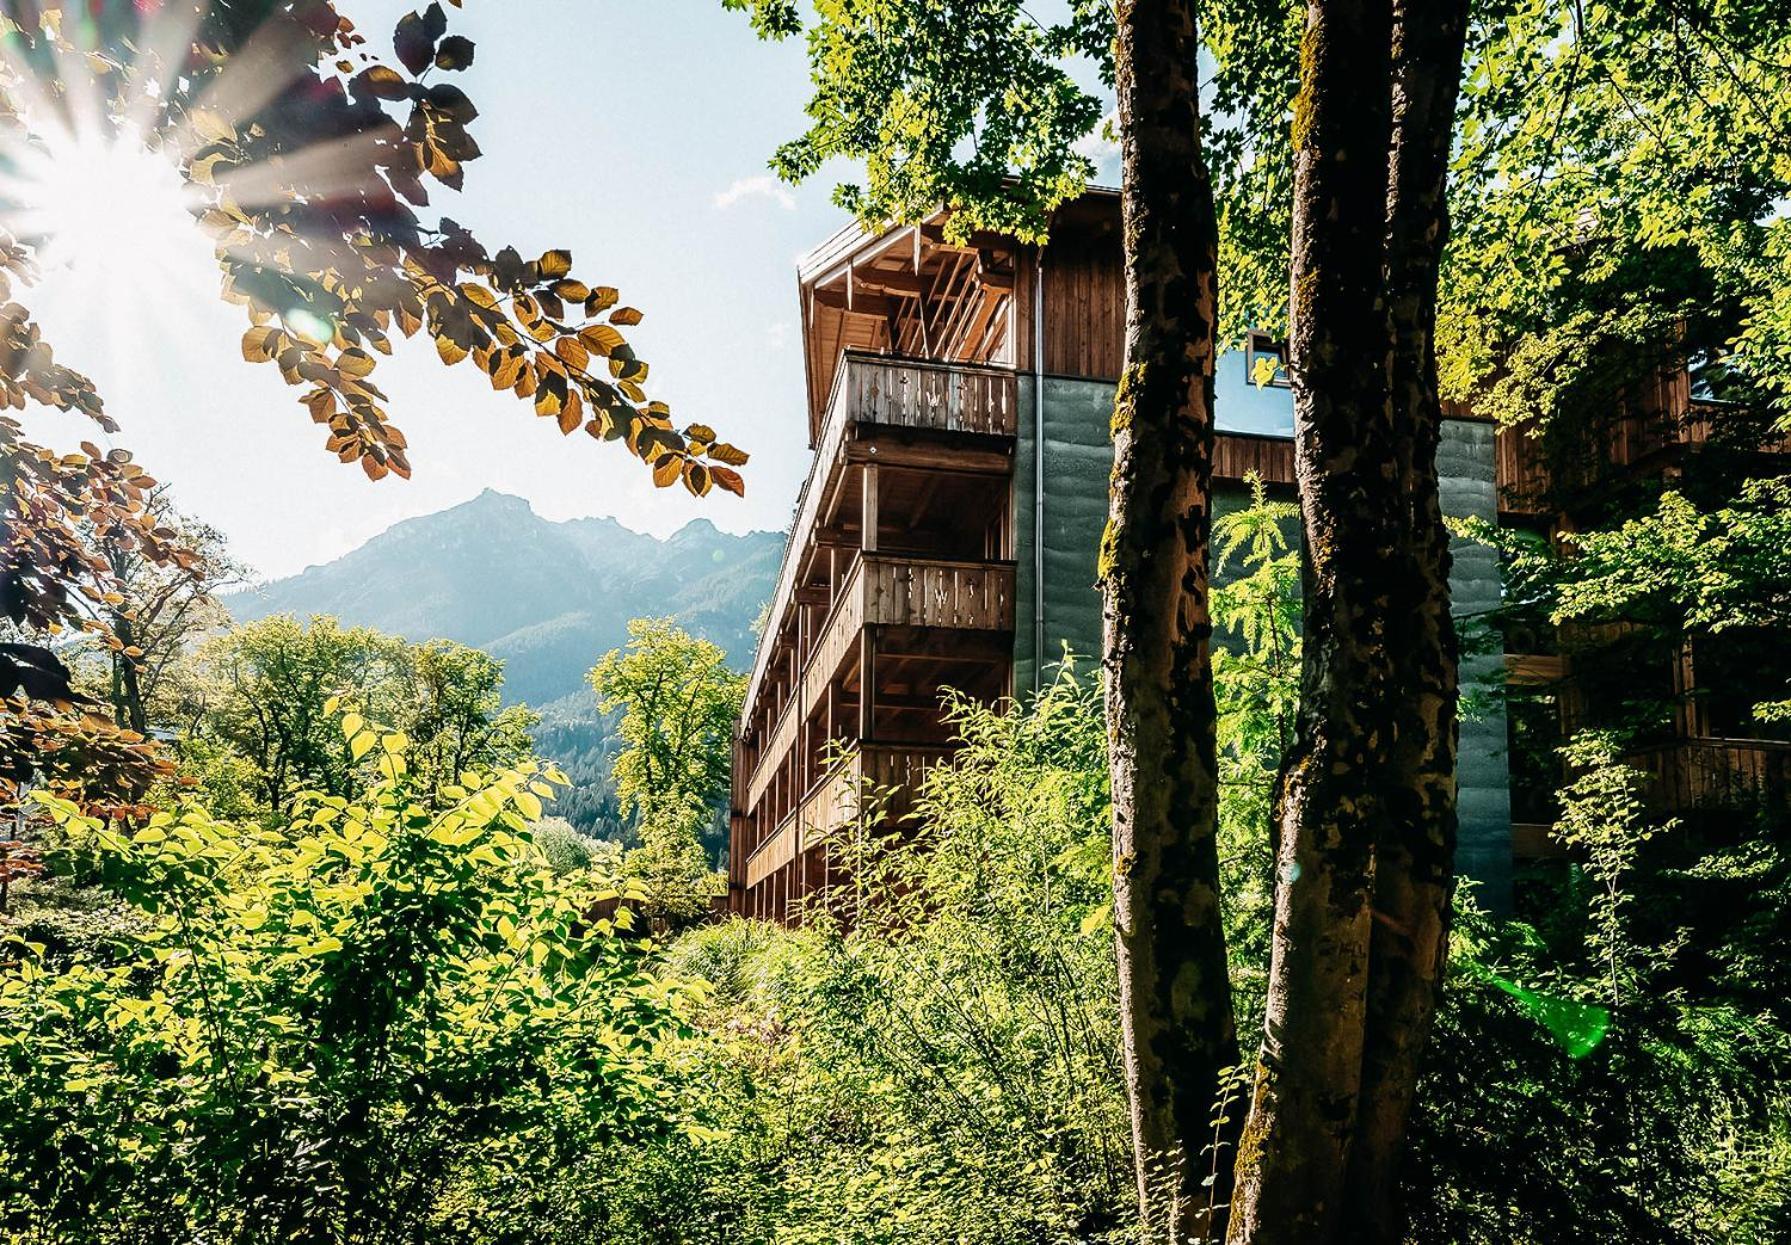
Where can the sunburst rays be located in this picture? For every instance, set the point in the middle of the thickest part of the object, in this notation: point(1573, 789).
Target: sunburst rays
point(96, 176)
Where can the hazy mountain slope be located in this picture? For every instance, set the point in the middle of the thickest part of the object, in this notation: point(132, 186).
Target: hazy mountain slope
point(548, 598)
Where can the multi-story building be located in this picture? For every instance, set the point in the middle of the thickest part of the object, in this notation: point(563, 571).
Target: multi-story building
point(959, 399)
point(1683, 701)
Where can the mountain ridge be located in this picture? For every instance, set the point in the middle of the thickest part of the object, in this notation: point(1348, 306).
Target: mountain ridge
point(548, 597)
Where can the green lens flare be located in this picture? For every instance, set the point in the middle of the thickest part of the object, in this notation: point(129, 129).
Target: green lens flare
point(1580, 1028)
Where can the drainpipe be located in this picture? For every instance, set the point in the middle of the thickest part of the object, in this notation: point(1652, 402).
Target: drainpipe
point(1038, 471)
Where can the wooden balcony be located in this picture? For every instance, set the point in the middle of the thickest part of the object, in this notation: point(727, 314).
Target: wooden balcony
point(1666, 421)
point(911, 393)
point(876, 391)
point(835, 799)
point(891, 591)
point(1692, 773)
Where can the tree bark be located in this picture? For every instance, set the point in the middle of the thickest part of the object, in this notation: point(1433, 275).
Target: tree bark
point(1175, 993)
point(1368, 824)
point(1293, 1155)
point(127, 692)
point(1415, 863)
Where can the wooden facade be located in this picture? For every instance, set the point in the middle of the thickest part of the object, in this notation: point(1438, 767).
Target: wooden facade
point(1652, 432)
point(900, 573)
point(898, 579)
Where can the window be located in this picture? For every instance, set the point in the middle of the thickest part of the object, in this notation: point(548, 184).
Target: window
point(1265, 361)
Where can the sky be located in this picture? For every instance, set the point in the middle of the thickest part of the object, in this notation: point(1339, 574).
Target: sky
point(633, 132)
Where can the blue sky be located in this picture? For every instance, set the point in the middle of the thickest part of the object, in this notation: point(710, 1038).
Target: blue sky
point(634, 132)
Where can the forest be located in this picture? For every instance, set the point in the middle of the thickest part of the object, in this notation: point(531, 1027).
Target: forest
point(299, 940)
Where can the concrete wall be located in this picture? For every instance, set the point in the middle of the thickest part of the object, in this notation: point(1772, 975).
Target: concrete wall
point(1483, 773)
point(1078, 457)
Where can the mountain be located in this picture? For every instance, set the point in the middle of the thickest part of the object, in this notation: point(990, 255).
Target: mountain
point(548, 598)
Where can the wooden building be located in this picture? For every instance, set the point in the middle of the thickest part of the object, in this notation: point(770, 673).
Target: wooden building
point(1705, 755)
point(959, 397)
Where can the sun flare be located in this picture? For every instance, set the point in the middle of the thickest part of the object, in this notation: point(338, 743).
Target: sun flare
point(100, 206)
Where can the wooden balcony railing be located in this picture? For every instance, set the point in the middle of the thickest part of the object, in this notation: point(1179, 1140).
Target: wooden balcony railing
point(836, 797)
point(931, 592)
point(1526, 479)
point(1724, 773)
point(914, 393)
point(887, 590)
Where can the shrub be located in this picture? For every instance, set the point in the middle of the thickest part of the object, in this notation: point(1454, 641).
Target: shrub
point(315, 1033)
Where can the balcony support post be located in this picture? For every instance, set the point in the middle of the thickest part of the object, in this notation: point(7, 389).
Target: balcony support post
point(868, 526)
point(867, 682)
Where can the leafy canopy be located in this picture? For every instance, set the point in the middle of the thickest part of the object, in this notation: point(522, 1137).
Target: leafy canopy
point(679, 703)
point(312, 1032)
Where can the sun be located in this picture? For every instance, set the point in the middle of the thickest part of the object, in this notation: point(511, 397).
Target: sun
point(102, 207)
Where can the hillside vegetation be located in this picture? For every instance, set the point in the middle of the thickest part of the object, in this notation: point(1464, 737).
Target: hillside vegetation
point(544, 598)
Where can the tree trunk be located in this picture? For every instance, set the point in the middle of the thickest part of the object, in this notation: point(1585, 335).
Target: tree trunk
point(1414, 865)
point(1368, 829)
point(1292, 1157)
point(1175, 992)
point(127, 690)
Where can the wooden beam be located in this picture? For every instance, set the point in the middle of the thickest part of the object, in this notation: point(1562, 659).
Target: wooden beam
point(867, 684)
point(930, 457)
point(899, 282)
point(947, 644)
point(980, 239)
point(877, 305)
point(993, 278)
point(845, 536)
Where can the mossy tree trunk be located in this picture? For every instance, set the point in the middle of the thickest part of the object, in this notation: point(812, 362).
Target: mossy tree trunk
point(1415, 859)
point(1367, 819)
point(1292, 1157)
point(1175, 994)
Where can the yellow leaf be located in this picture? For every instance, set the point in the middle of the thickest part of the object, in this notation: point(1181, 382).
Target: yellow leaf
point(624, 315)
point(530, 806)
point(478, 295)
point(351, 725)
point(256, 345)
point(211, 127)
point(601, 338)
point(204, 172)
point(722, 452)
point(555, 264)
point(354, 362)
point(667, 470)
point(573, 352)
point(360, 744)
point(570, 416)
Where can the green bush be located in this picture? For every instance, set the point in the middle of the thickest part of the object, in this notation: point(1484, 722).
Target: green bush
point(317, 1033)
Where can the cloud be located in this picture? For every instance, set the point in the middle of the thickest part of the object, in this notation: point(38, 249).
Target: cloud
point(1101, 144)
point(750, 187)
